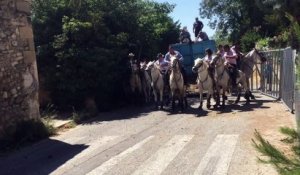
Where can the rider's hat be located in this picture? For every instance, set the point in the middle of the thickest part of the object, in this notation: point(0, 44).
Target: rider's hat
point(130, 55)
point(159, 55)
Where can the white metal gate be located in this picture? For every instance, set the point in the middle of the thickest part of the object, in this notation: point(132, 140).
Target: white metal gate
point(276, 76)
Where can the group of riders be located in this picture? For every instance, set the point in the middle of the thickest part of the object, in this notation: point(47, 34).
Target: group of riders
point(231, 55)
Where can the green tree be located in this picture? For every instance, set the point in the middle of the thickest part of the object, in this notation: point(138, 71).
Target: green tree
point(236, 18)
point(82, 52)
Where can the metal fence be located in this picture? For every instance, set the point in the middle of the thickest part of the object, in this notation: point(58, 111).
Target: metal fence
point(276, 76)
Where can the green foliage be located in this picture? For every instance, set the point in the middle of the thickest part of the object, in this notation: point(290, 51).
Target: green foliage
point(262, 44)
point(248, 40)
point(285, 165)
point(235, 18)
point(220, 38)
point(82, 52)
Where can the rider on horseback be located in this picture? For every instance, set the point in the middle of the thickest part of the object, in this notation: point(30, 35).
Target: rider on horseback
point(208, 59)
point(163, 66)
point(178, 55)
point(230, 56)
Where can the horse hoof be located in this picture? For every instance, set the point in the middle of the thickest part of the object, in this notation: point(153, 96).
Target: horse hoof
point(208, 106)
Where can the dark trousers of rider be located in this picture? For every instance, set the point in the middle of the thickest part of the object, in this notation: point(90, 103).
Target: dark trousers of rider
point(233, 74)
point(238, 63)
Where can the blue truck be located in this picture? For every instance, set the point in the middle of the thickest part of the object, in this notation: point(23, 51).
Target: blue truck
point(192, 51)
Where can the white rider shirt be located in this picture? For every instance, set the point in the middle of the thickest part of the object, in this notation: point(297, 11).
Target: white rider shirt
point(163, 65)
point(208, 58)
point(177, 54)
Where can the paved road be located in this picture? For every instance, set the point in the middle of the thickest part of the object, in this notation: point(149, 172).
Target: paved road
point(142, 141)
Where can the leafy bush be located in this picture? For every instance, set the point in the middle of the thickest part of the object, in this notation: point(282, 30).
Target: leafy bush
point(248, 40)
point(263, 44)
point(82, 51)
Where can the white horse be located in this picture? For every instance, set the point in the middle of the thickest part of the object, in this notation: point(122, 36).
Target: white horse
point(222, 78)
point(157, 82)
point(177, 83)
point(135, 80)
point(146, 82)
point(247, 63)
point(204, 80)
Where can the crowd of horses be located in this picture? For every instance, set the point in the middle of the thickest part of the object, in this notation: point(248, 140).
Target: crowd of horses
point(147, 78)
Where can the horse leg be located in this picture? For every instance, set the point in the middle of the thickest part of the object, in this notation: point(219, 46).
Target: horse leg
point(173, 102)
point(251, 95)
point(181, 103)
point(155, 98)
point(208, 101)
point(201, 99)
point(217, 97)
point(238, 96)
point(248, 85)
point(185, 102)
point(224, 98)
point(247, 96)
point(161, 93)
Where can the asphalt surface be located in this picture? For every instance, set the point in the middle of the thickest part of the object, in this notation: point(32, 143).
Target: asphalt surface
point(145, 141)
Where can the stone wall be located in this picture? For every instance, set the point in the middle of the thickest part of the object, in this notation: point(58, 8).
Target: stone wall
point(18, 69)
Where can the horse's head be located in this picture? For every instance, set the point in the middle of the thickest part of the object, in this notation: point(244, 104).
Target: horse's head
point(256, 56)
point(217, 60)
point(143, 65)
point(199, 65)
point(149, 66)
point(135, 67)
point(174, 63)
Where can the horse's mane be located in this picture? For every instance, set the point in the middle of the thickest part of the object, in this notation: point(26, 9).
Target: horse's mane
point(198, 60)
point(152, 63)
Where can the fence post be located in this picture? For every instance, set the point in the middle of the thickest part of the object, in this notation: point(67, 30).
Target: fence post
point(281, 74)
point(297, 91)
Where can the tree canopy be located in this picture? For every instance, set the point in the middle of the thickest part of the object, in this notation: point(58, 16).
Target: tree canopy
point(248, 21)
point(82, 46)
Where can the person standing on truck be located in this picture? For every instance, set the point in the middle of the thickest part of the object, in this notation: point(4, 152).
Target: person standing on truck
point(203, 36)
point(184, 36)
point(178, 55)
point(197, 27)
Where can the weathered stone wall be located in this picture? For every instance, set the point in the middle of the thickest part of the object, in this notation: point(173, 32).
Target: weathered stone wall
point(18, 69)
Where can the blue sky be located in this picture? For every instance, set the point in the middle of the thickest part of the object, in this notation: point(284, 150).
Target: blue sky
point(185, 12)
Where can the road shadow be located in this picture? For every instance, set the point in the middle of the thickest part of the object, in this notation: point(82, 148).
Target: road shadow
point(132, 111)
point(243, 107)
point(41, 158)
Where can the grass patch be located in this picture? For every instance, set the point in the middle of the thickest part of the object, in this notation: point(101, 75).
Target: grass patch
point(285, 165)
point(79, 117)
